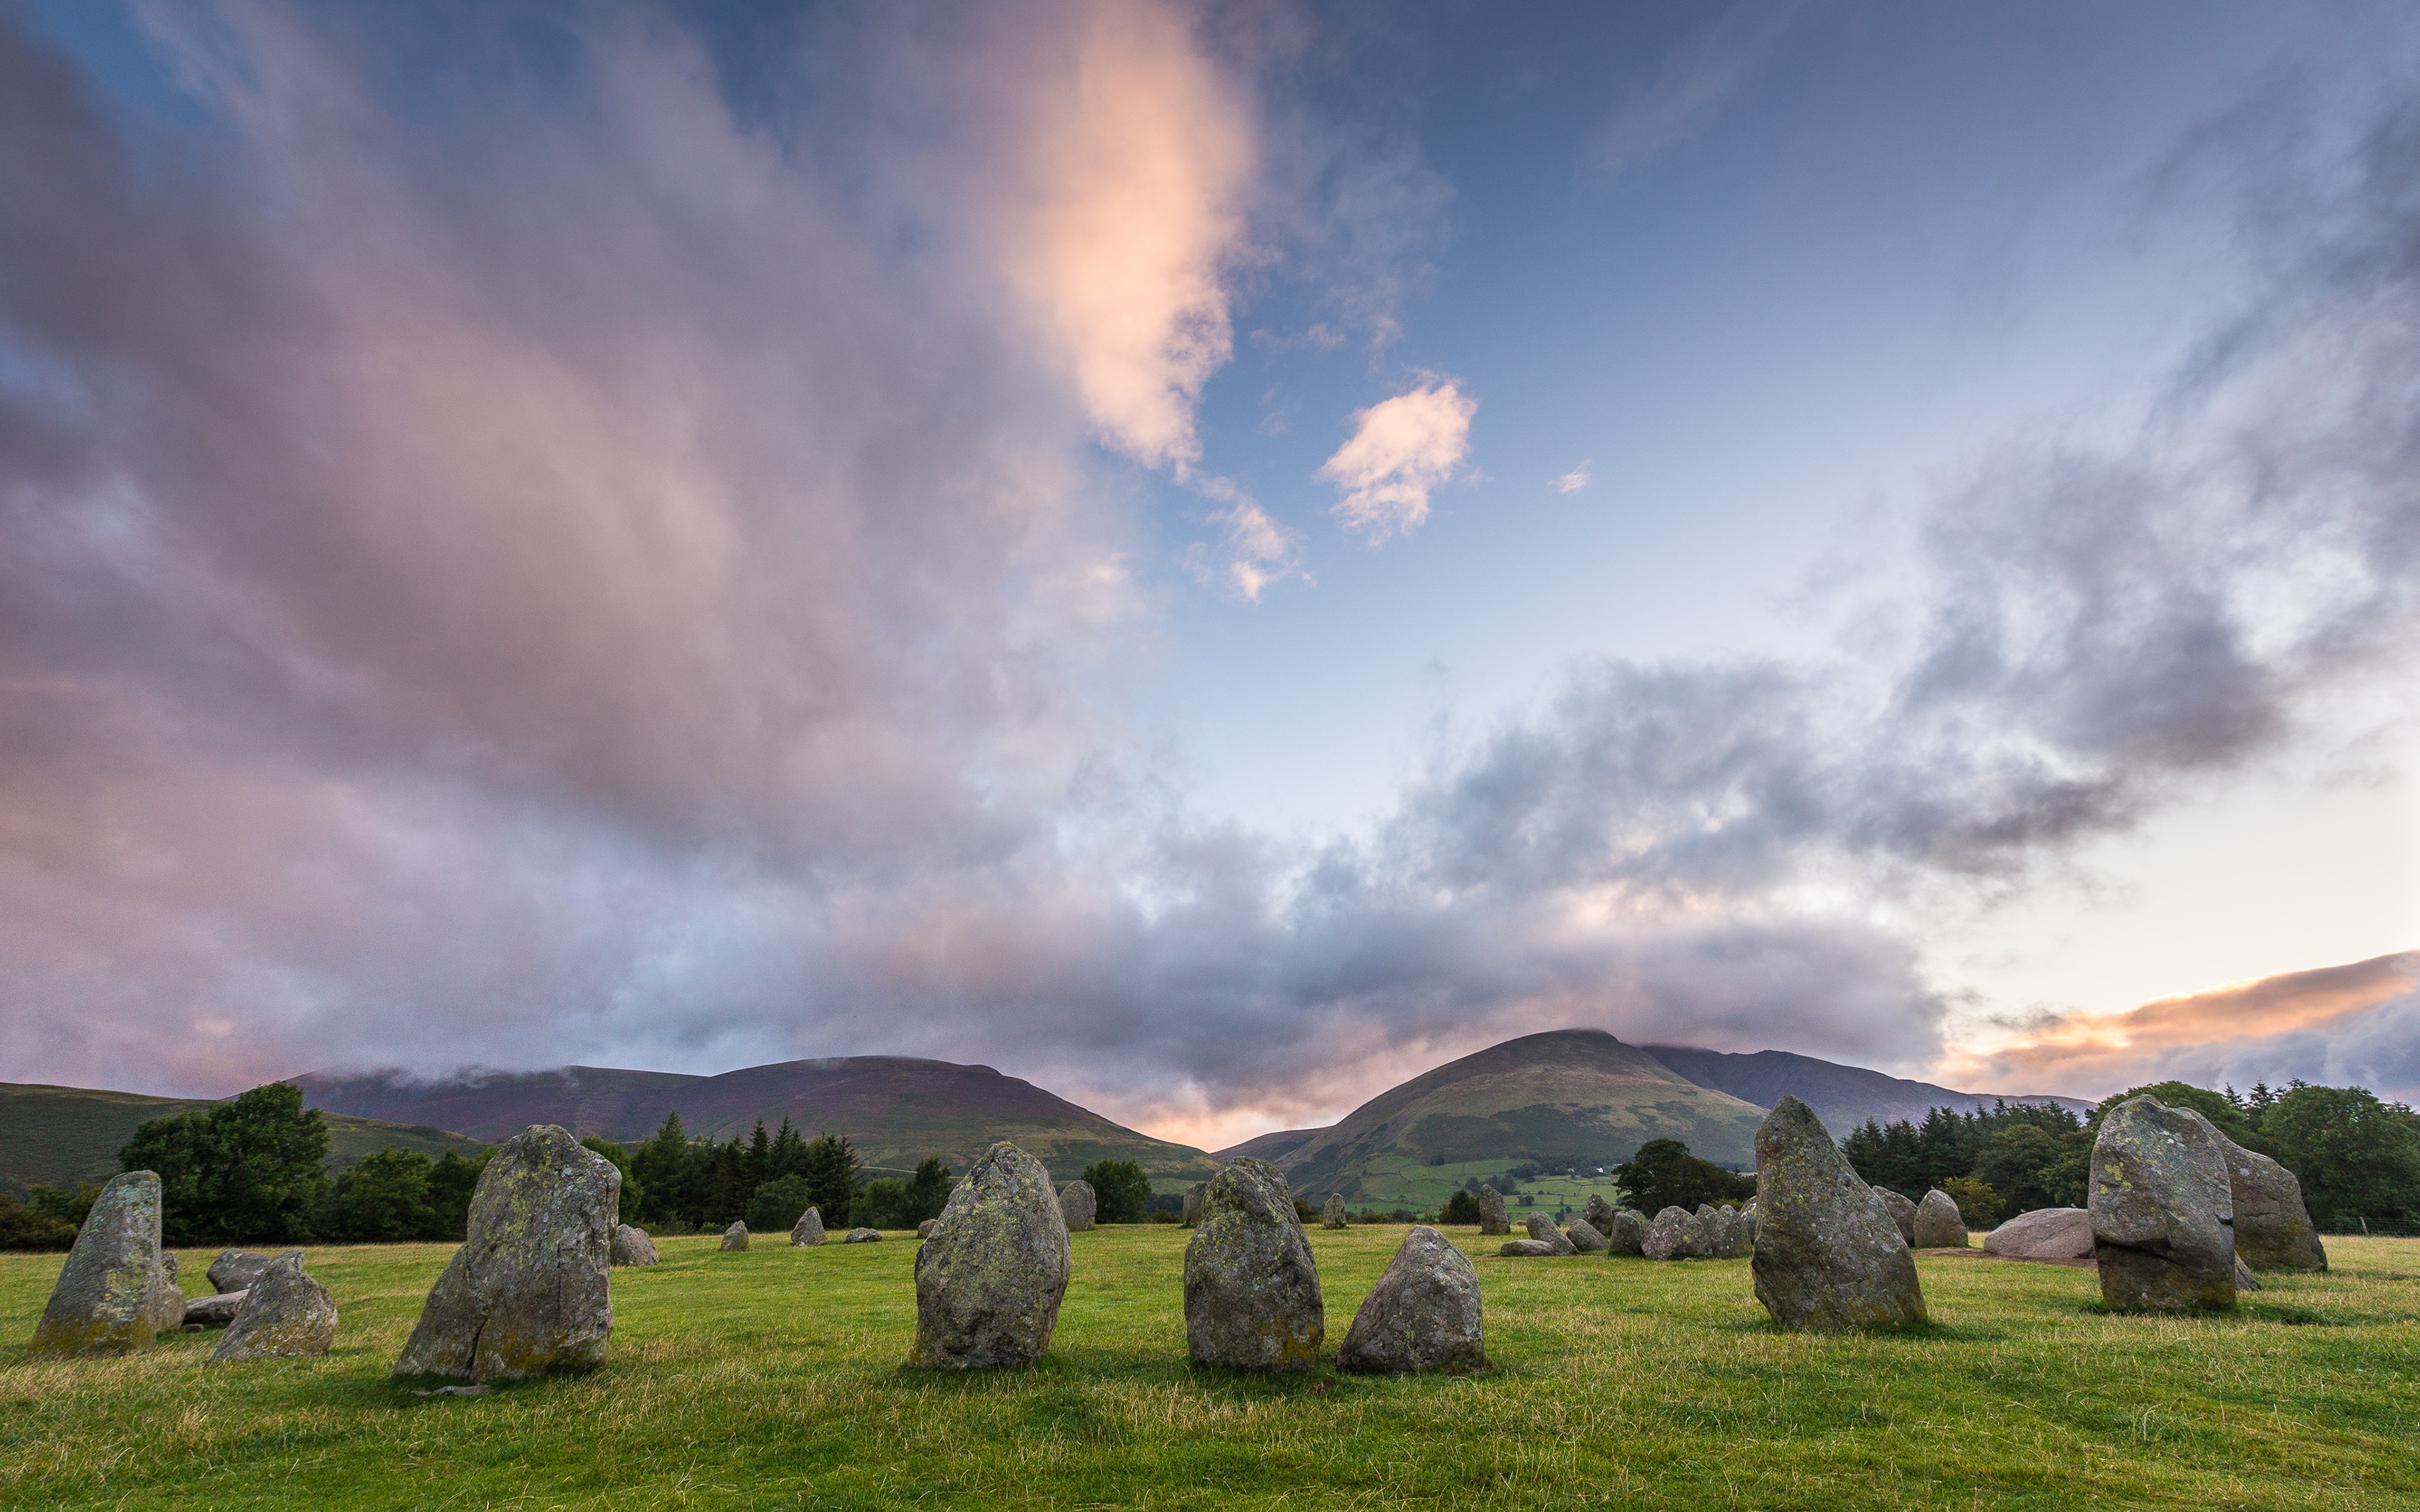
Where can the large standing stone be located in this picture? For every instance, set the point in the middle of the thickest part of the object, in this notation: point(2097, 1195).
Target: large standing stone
point(809, 1230)
point(1585, 1237)
point(1333, 1216)
point(1667, 1237)
point(735, 1237)
point(1599, 1214)
point(1516, 1248)
point(529, 1289)
point(1251, 1287)
point(234, 1269)
point(1828, 1254)
point(1543, 1230)
point(1193, 1202)
point(119, 1289)
point(2162, 1218)
point(862, 1236)
point(989, 1280)
point(1939, 1225)
point(2043, 1234)
point(1422, 1314)
point(631, 1246)
point(1628, 1235)
point(1903, 1212)
point(287, 1314)
point(1491, 1212)
point(2273, 1226)
point(1078, 1206)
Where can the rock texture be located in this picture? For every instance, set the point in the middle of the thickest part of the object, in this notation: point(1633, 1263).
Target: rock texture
point(862, 1236)
point(735, 1237)
point(2273, 1226)
point(809, 1230)
point(1543, 1230)
point(1518, 1247)
point(1599, 1214)
point(1724, 1234)
point(2162, 1218)
point(631, 1246)
point(1333, 1216)
point(1667, 1237)
point(1078, 1206)
point(214, 1312)
point(118, 1290)
point(1491, 1212)
point(528, 1291)
point(989, 1279)
point(287, 1314)
point(1251, 1287)
point(234, 1269)
point(1902, 1212)
point(1939, 1225)
point(1628, 1235)
point(1828, 1254)
point(1193, 1202)
point(1423, 1313)
point(2043, 1234)
point(1585, 1237)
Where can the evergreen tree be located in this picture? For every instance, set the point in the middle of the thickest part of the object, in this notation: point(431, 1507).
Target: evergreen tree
point(928, 1191)
point(633, 1196)
point(452, 1182)
point(832, 1177)
point(660, 1165)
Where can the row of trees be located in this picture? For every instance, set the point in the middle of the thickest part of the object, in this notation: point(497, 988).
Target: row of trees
point(2358, 1158)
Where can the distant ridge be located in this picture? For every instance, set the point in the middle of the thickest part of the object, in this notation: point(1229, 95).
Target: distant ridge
point(1842, 1096)
point(1271, 1147)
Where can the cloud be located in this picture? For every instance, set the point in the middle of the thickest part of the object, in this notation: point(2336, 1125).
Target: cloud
point(1401, 450)
point(1699, 79)
point(1574, 481)
point(1254, 551)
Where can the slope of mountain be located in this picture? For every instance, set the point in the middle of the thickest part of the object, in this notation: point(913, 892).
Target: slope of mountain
point(1842, 1096)
point(896, 1110)
point(64, 1135)
point(1271, 1147)
point(1566, 1097)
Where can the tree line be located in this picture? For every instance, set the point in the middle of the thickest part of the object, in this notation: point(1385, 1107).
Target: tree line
point(2357, 1157)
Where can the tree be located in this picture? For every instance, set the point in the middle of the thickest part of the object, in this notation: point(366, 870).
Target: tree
point(2018, 1163)
point(245, 1170)
point(452, 1182)
point(2358, 1159)
point(633, 1196)
point(382, 1198)
point(775, 1206)
point(1977, 1203)
point(660, 1165)
point(1121, 1192)
point(832, 1178)
point(928, 1191)
point(46, 1218)
point(1665, 1175)
point(883, 1204)
point(1460, 1208)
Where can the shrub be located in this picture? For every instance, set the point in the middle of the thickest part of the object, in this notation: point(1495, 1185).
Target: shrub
point(452, 1182)
point(1982, 1206)
point(883, 1204)
point(45, 1218)
point(1121, 1191)
point(775, 1207)
point(1462, 1207)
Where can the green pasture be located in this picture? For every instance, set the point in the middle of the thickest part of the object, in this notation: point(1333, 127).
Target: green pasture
point(772, 1378)
point(1401, 1181)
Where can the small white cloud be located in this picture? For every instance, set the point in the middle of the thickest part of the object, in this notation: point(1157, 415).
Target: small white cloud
point(1402, 449)
point(1254, 551)
point(1577, 479)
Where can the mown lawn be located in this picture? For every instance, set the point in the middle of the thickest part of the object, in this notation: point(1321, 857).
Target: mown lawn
point(772, 1378)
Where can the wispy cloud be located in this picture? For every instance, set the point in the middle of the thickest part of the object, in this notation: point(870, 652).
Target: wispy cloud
point(1699, 79)
point(1254, 551)
point(1574, 481)
point(1401, 450)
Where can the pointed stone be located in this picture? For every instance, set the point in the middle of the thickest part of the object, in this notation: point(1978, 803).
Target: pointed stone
point(1193, 1202)
point(1423, 1314)
point(117, 1291)
point(1543, 1230)
point(1828, 1254)
point(1628, 1235)
point(1078, 1206)
point(1939, 1225)
point(2273, 1226)
point(1667, 1237)
point(990, 1277)
point(1903, 1212)
point(1585, 1237)
point(287, 1314)
point(1251, 1286)
point(1599, 1214)
point(735, 1237)
point(809, 1230)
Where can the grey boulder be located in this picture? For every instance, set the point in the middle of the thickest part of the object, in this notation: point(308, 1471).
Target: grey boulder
point(2043, 1234)
point(1423, 1313)
point(1585, 1237)
point(809, 1230)
point(990, 1277)
point(118, 1291)
point(1903, 1212)
point(2273, 1226)
point(1192, 1213)
point(1078, 1206)
point(1333, 1216)
point(1516, 1248)
point(2162, 1218)
point(924, 1229)
point(1627, 1234)
point(1667, 1237)
point(1251, 1286)
point(287, 1314)
point(735, 1237)
point(234, 1269)
point(862, 1236)
point(214, 1312)
point(1491, 1212)
point(1828, 1254)
point(1598, 1215)
point(1543, 1230)
point(1939, 1225)
point(631, 1246)
point(527, 1290)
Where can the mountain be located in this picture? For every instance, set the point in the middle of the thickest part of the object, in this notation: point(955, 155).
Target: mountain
point(1842, 1096)
point(896, 1110)
point(1269, 1146)
point(64, 1135)
point(1564, 1098)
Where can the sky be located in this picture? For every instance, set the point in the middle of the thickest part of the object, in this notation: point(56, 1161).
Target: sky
point(1210, 556)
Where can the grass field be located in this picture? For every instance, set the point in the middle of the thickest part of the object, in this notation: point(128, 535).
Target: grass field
point(1392, 1180)
point(771, 1379)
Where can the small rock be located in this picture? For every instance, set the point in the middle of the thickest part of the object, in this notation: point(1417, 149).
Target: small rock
point(862, 1236)
point(2245, 1279)
point(1516, 1247)
point(1078, 1206)
point(809, 1230)
point(1491, 1212)
point(1667, 1237)
point(2043, 1234)
point(1599, 1214)
point(1422, 1314)
point(631, 1246)
point(990, 1277)
point(1193, 1202)
point(212, 1312)
point(735, 1237)
point(234, 1269)
point(1543, 1230)
point(117, 1291)
point(2163, 1214)
point(1251, 1286)
point(1939, 1225)
point(1334, 1215)
point(1585, 1237)
point(287, 1314)
point(2273, 1226)
point(1628, 1235)
point(1828, 1254)
point(924, 1229)
point(1903, 1212)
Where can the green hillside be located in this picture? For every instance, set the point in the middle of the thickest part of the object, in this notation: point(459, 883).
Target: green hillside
point(1569, 1097)
point(64, 1135)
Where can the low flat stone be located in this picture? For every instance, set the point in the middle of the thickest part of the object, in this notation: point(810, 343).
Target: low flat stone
point(862, 1236)
point(809, 1230)
point(287, 1314)
point(1079, 1206)
point(2162, 1211)
point(1828, 1252)
point(1585, 1237)
point(1667, 1237)
point(234, 1268)
point(735, 1237)
point(630, 1245)
point(117, 1291)
point(1333, 1215)
point(1903, 1212)
point(1939, 1225)
point(1517, 1247)
point(1423, 1314)
point(212, 1312)
point(1543, 1230)
point(993, 1269)
point(2043, 1234)
point(1252, 1284)
point(1491, 1212)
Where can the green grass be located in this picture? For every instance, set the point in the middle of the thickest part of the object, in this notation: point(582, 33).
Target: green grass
point(772, 1378)
point(1400, 1181)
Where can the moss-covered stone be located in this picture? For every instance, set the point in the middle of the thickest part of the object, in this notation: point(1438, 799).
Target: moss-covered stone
point(117, 1291)
point(1423, 1314)
point(287, 1314)
point(991, 1275)
point(2162, 1212)
point(1828, 1254)
point(1251, 1286)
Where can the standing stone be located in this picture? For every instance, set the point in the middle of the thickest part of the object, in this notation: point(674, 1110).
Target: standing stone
point(1491, 1212)
point(287, 1314)
point(631, 1246)
point(1903, 1212)
point(1543, 1230)
point(1585, 1237)
point(1667, 1237)
point(2273, 1226)
point(1193, 1202)
point(1939, 1225)
point(1422, 1314)
point(2162, 1217)
point(1251, 1287)
point(235, 1269)
point(1078, 1206)
point(735, 1237)
point(809, 1230)
point(1599, 1214)
point(527, 1290)
point(1515, 1248)
point(116, 1291)
point(924, 1229)
point(1724, 1234)
point(989, 1280)
point(862, 1236)
point(1828, 1254)
point(1628, 1235)
point(1334, 1215)
point(2043, 1234)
